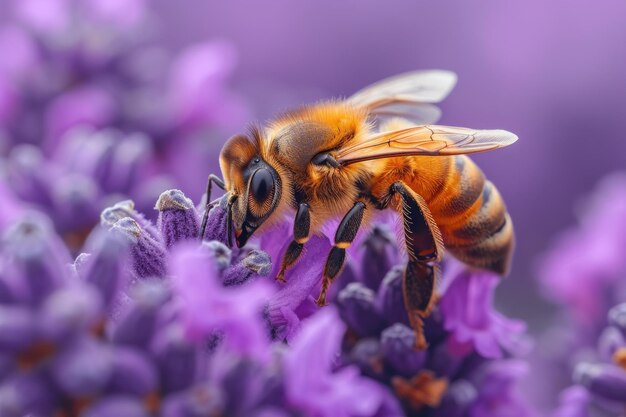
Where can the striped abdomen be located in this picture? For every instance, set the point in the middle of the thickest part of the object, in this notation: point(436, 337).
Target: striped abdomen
point(469, 211)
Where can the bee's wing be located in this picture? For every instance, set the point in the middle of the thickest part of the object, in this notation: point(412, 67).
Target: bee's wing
point(425, 140)
point(407, 96)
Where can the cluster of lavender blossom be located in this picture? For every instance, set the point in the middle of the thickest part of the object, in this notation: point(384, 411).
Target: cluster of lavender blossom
point(584, 273)
point(149, 321)
point(91, 108)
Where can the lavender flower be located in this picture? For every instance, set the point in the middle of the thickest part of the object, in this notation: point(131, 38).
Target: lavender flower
point(582, 274)
point(469, 367)
point(601, 377)
point(91, 109)
point(102, 337)
point(309, 377)
point(469, 316)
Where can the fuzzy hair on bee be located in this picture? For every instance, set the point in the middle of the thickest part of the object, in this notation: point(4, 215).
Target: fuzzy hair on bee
point(376, 150)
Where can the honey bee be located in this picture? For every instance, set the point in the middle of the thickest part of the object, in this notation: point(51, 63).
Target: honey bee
point(376, 150)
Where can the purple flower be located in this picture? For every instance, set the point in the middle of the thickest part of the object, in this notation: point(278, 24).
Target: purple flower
point(469, 316)
point(106, 109)
point(600, 376)
point(178, 219)
point(310, 375)
point(207, 306)
point(293, 300)
point(603, 380)
point(36, 258)
point(499, 395)
point(148, 253)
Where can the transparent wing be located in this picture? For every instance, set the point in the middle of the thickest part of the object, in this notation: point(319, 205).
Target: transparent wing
point(416, 113)
point(425, 140)
point(407, 96)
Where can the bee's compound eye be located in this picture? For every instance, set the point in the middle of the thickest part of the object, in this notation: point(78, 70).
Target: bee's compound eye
point(262, 185)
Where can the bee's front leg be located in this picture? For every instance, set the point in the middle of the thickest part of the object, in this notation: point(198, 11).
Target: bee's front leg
point(346, 232)
point(205, 217)
point(301, 229)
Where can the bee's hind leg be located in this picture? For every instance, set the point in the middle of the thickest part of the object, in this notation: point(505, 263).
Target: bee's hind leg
point(301, 229)
point(346, 232)
point(205, 217)
point(424, 247)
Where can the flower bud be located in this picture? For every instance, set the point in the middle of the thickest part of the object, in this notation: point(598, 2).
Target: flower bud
point(442, 362)
point(200, 400)
point(83, 368)
point(611, 339)
point(106, 265)
point(176, 358)
point(26, 394)
point(379, 255)
point(216, 228)
point(68, 311)
point(457, 400)
point(136, 324)
point(37, 255)
point(178, 218)
point(117, 406)
point(220, 253)
point(366, 354)
point(398, 347)
point(76, 200)
point(606, 381)
point(390, 298)
point(29, 175)
point(126, 208)
point(617, 317)
point(148, 254)
point(357, 307)
point(255, 263)
point(18, 328)
point(133, 373)
point(129, 154)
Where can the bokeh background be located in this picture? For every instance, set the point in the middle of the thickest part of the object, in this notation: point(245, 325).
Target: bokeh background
point(552, 72)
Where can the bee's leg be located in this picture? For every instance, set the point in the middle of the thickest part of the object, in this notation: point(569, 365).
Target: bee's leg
point(424, 247)
point(205, 217)
point(301, 227)
point(346, 231)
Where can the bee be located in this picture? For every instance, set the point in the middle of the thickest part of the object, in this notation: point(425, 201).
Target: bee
point(376, 150)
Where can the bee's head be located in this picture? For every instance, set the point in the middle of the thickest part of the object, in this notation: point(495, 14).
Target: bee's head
point(253, 184)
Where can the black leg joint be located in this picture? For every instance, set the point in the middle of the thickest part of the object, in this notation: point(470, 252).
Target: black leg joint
point(294, 250)
point(301, 229)
point(302, 223)
point(349, 226)
point(334, 262)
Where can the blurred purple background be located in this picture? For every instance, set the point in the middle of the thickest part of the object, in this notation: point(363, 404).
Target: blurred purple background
point(552, 72)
